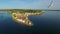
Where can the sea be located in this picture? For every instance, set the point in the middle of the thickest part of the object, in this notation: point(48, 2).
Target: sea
point(46, 23)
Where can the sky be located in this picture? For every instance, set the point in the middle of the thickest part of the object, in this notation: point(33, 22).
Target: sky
point(28, 4)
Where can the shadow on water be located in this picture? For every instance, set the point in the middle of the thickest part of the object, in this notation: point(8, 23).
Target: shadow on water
point(44, 23)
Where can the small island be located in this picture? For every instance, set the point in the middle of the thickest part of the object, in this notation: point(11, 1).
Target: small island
point(21, 16)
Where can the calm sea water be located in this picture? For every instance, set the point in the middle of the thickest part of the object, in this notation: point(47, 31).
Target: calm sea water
point(48, 22)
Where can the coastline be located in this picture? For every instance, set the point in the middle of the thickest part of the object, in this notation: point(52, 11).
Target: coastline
point(28, 14)
point(19, 21)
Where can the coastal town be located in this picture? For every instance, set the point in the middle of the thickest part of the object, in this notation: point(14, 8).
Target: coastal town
point(20, 16)
point(23, 18)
